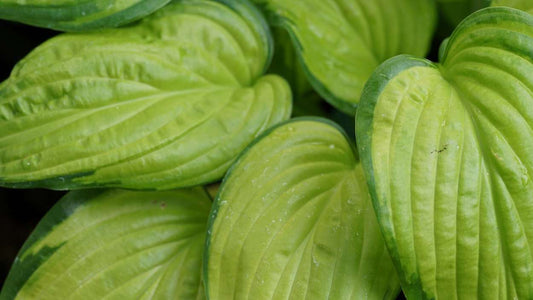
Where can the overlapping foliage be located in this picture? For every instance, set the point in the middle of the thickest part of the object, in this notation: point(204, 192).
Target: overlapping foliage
point(437, 198)
point(167, 103)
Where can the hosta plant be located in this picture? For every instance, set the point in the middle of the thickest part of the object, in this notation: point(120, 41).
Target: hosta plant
point(446, 149)
point(437, 198)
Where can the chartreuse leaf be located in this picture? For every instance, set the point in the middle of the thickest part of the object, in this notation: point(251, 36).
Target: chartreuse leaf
point(114, 244)
point(77, 15)
point(293, 220)
point(341, 42)
point(167, 103)
point(446, 149)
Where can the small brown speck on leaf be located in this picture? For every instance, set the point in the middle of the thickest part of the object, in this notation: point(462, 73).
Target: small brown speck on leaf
point(438, 151)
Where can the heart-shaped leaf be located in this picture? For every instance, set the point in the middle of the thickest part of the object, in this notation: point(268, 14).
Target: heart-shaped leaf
point(341, 42)
point(167, 103)
point(76, 15)
point(446, 149)
point(114, 244)
point(293, 220)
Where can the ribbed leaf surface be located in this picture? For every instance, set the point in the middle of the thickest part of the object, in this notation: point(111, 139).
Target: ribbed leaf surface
point(167, 103)
point(341, 42)
point(114, 244)
point(447, 151)
point(293, 220)
point(77, 15)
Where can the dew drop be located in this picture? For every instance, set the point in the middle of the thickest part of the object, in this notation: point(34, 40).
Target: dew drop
point(316, 262)
point(31, 162)
point(525, 178)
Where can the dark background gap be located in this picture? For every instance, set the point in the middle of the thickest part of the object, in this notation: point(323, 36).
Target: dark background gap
point(20, 210)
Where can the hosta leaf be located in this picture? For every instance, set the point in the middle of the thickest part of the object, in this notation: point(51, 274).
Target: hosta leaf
point(447, 152)
point(76, 15)
point(293, 220)
point(341, 42)
point(114, 244)
point(167, 103)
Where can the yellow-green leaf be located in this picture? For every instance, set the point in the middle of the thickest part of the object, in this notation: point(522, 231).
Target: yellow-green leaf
point(169, 102)
point(114, 244)
point(293, 220)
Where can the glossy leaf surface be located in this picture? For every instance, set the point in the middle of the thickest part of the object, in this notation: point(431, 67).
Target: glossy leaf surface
point(293, 220)
point(447, 151)
point(341, 42)
point(77, 15)
point(167, 103)
point(114, 244)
